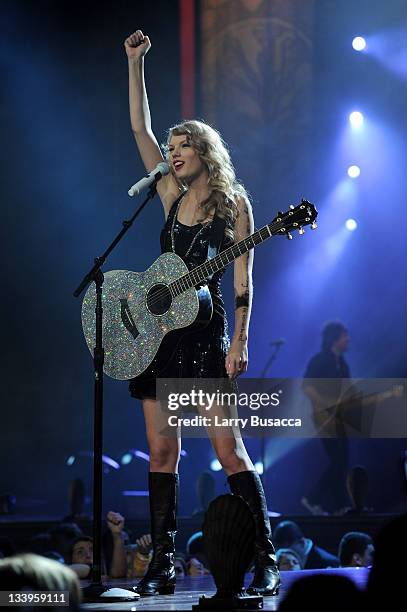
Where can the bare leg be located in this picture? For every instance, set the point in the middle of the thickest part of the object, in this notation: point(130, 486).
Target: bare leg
point(227, 441)
point(164, 450)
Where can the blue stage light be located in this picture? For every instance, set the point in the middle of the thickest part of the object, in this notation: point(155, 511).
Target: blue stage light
point(351, 225)
point(258, 466)
point(356, 119)
point(359, 43)
point(353, 171)
point(126, 459)
point(215, 465)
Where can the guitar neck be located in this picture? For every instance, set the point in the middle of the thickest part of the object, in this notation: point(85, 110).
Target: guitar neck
point(223, 259)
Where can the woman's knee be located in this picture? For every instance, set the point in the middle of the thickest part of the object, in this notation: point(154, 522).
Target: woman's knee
point(164, 454)
point(232, 458)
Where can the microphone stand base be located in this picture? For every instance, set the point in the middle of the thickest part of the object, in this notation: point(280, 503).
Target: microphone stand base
point(96, 592)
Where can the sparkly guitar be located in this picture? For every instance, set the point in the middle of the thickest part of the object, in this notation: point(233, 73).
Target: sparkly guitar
point(151, 310)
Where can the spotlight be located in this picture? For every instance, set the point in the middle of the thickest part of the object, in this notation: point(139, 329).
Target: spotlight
point(351, 225)
point(126, 459)
point(356, 119)
point(353, 171)
point(215, 465)
point(258, 466)
point(359, 43)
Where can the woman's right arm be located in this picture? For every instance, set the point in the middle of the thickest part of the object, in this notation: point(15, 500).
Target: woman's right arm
point(137, 45)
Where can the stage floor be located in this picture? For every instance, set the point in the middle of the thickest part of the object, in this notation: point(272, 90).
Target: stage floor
point(190, 589)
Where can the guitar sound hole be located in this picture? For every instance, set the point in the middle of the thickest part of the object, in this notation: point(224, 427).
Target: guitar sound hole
point(159, 299)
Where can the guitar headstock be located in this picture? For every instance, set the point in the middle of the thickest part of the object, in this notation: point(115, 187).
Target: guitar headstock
point(295, 218)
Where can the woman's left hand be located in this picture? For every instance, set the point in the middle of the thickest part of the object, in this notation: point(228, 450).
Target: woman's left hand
point(237, 358)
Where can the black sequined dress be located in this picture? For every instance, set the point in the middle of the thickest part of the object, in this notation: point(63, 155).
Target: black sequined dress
point(199, 354)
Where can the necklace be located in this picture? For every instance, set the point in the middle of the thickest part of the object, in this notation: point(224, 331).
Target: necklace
point(193, 239)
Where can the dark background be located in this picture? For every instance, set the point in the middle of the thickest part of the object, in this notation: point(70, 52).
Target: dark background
point(67, 160)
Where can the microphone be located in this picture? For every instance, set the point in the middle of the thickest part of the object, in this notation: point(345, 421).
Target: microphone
point(278, 342)
point(161, 170)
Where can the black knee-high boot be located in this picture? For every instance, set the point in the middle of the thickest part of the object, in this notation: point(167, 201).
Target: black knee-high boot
point(160, 576)
point(266, 580)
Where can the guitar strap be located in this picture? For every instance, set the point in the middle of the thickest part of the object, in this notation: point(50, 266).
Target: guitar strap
point(216, 236)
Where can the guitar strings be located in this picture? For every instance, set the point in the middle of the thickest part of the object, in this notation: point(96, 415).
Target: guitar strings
point(273, 228)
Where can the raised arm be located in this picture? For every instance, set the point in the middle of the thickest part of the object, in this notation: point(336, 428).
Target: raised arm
point(237, 359)
point(137, 45)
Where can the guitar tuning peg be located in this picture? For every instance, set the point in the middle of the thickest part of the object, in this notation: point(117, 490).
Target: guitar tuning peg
point(289, 236)
point(301, 231)
point(292, 206)
point(314, 225)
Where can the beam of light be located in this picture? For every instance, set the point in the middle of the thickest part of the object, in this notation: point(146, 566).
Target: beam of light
point(135, 493)
point(356, 119)
point(321, 258)
point(215, 465)
point(258, 466)
point(389, 48)
point(359, 43)
point(353, 171)
point(281, 448)
point(351, 225)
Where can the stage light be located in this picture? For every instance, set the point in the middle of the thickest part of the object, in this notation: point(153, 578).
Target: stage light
point(351, 225)
point(215, 465)
point(129, 455)
point(141, 455)
point(126, 459)
point(88, 455)
point(359, 43)
point(356, 119)
point(353, 171)
point(258, 466)
point(109, 461)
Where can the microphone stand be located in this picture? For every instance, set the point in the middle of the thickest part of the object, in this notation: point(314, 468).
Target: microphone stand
point(97, 591)
point(267, 366)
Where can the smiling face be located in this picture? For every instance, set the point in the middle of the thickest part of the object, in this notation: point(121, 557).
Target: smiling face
point(184, 159)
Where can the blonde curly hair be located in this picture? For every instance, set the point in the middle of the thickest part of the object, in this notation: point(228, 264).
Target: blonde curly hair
point(213, 151)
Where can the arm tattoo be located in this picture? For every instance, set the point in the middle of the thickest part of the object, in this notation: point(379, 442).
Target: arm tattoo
point(242, 334)
point(242, 300)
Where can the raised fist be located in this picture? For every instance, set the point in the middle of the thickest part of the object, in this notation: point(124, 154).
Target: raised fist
point(137, 45)
point(115, 522)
